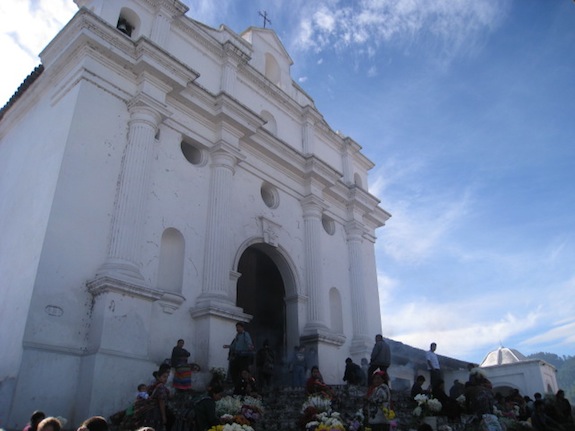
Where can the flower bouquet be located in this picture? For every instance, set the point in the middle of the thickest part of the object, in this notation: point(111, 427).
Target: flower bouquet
point(355, 423)
point(388, 413)
point(318, 402)
point(326, 422)
point(231, 427)
point(218, 373)
point(228, 405)
point(426, 406)
point(251, 412)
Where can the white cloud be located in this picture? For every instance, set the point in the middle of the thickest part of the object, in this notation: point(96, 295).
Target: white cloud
point(455, 24)
point(461, 328)
point(27, 27)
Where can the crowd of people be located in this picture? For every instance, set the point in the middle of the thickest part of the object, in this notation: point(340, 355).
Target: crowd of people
point(251, 371)
point(476, 397)
point(40, 422)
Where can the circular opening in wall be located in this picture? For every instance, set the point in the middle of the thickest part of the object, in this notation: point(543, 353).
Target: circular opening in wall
point(192, 153)
point(270, 195)
point(328, 224)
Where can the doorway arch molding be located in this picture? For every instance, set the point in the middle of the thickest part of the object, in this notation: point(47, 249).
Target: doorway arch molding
point(295, 300)
point(282, 259)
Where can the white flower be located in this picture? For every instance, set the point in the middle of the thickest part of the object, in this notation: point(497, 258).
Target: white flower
point(320, 403)
point(417, 411)
point(434, 405)
point(228, 405)
point(421, 398)
point(237, 427)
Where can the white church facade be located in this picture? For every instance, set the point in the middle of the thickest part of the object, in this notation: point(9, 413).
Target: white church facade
point(161, 179)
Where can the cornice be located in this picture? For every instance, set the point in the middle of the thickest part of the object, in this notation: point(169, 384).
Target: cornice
point(230, 111)
point(174, 7)
point(319, 171)
point(190, 28)
point(106, 284)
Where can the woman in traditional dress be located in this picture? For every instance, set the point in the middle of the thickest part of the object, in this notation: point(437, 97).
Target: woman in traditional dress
point(378, 398)
point(152, 412)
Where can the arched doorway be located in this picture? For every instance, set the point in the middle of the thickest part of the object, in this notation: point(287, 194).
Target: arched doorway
point(261, 293)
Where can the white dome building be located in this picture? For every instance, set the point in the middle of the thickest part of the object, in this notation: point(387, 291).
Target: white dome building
point(509, 369)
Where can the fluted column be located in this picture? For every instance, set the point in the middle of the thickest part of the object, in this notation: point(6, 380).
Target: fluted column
point(217, 256)
point(133, 186)
point(312, 212)
point(357, 282)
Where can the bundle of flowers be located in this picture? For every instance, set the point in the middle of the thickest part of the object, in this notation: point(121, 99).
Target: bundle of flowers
point(320, 403)
point(461, 400)
point(326, 422)
point(251, 412)
point(355, 423)
point(237, 419)
point(218, 373)
point(389, 414)
point(426, 406)
point(231, 427)
point(253, 403)
point(228, 405)
point(512, 413)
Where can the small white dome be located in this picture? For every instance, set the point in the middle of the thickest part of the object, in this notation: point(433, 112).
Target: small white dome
point(503, 356)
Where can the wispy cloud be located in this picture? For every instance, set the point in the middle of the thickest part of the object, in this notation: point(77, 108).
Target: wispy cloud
point(460, 327)
point(420, 221)
point(456, 25)
point(41, 21)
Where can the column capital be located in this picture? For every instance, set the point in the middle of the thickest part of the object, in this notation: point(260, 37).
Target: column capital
point(145, 108)
point(225, 155)
point(312, 206)
point(354, 230)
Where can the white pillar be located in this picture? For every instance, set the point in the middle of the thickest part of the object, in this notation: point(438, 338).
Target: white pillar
point(123, 260)
point(312, 212)
point(217, 256)
point(356, 270)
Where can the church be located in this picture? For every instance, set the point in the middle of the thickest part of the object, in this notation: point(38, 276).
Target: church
point(162, 179)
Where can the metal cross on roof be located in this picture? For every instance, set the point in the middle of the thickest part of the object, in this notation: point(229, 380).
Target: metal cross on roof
point(264, 15)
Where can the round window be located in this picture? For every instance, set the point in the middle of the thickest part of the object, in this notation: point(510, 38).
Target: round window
point(192, 153)
point(328, 224)
point(270, 195)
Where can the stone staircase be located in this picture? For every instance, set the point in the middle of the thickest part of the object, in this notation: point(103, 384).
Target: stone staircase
point(283, 408)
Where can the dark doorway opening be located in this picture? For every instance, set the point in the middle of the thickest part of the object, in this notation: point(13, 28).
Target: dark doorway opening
point(261, 293)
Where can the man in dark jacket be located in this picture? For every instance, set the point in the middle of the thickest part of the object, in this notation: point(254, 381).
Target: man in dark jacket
point(380, 357)
point(353, 374)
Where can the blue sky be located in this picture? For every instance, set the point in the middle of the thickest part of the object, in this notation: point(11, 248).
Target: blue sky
point(466, 107)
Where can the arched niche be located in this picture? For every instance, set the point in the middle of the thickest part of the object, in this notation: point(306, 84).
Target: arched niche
point(128, 22)
point(171, 264)
point(272, 71)
point(271, 124)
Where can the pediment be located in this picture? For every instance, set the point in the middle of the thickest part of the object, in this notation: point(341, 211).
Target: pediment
point(266, 38)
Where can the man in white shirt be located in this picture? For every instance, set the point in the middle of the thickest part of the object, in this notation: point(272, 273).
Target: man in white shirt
point(433, 365)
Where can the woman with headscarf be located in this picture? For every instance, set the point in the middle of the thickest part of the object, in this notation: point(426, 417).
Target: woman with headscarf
point(378, 398)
